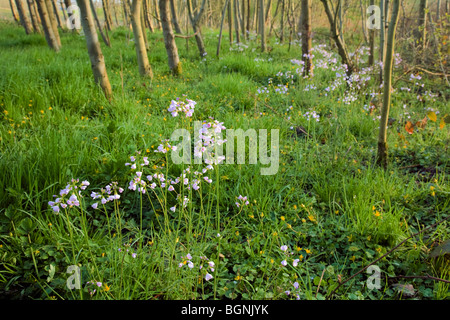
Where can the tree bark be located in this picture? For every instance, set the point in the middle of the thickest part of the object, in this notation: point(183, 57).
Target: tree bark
point(14, 11)
point(421, 32)
point(306, 37)
point(262, 23)
point(47, 26)
point(53, 22)
point(26, 23)
point(58, 18)
point(173, 10)
point(145, 69)
point(34, 18)
point(236, 22)
point(107, 12)
point(169, 37)
point(221, 26)
point(99, 26)
point(371, 41)
point(382, 155)
point(94, 50)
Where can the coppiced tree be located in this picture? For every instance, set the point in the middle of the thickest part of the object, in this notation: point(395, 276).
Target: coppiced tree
point(382, 154)
point(145, 69)
point(169, 37)
point(195, 21)
point(335, 34)
point(93, 45)
point(24, 20)
point(47, 26)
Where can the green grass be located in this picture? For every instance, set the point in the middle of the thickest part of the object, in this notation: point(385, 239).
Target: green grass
point(328, 202)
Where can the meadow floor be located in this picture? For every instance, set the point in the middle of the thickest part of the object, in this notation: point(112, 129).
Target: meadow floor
point(326, 213)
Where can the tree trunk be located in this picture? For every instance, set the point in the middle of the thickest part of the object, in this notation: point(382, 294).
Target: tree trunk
point(107, 13)
point(221, 26)
point(421, 32)
point(247, 30)
point(94, 50)
point(99, 26)
point(53, 22)
point(306, 37)
point(158, 19)
point(147, 18)
point(26, 23)
point(230, 23)
point(145, 69)
point(342, 49)
point(195, 19)
point(47, 26)
point(169, 37)
point(382, 155)
point(372, 41)
point(236, 21)
point(58, 18)
point(262, 25)
point(173, 10)
point(14, 11)
point(34, 19)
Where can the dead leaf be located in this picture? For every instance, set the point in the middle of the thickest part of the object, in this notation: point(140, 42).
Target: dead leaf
point(422, 123)
point(442, 123)
point(432, 116)
point(406, 290)
point(442, 249)
point(409, 127)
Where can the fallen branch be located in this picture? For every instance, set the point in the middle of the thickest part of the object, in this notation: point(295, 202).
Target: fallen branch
point(186, 37)
point(420, 277)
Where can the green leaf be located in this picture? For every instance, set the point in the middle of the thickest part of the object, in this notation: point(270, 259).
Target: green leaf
point(26, 226)
point(442, 249)
point(51, 272)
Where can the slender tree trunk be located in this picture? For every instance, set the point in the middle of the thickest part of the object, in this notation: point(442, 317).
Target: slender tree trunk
point(169, 37)
point(244, 33)
point(47, 26)
point(342, 49)
point(144, 30)
point(247, 30)
point(99, 26)
point(54, 23)
point(107, 13)
point(158, 19)
point(14, 11)
point(125, 12)
point(26, 23)
point(236, 22)
point(34, 18)
point(421, 32)
point(145, 69)
point(221, 26)
point(306, 37)
point(147, 18)
point(372, 41)
point(230, 23)
point(174, 17)
point(68, 3)
point(195, 19)
point(63, 9)
point(94, 50)
point(382, 155)
point(55, 10)
point(262, 25)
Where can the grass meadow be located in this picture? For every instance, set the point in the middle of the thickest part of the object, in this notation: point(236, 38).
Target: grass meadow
point(224, 231)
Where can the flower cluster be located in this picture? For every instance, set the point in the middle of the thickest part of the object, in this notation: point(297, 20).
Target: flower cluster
point(165, 146)
point(109, 193)
point(242, 201)
point(210, 136)
point(205, 266)
point(187, 107)
point(287, 254)
point(69, 196)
